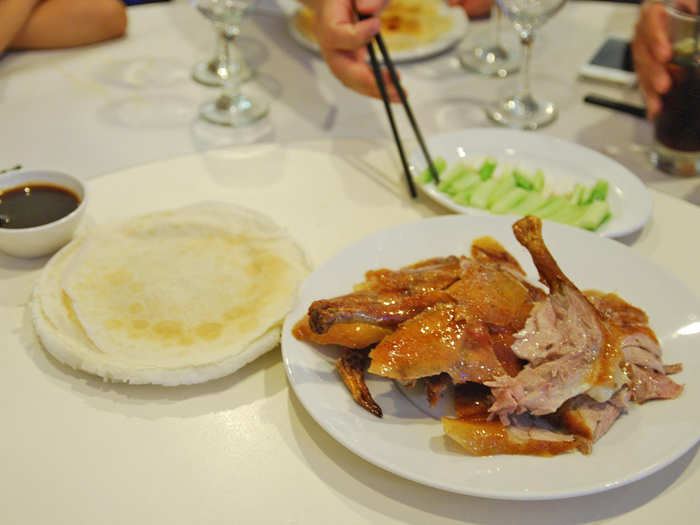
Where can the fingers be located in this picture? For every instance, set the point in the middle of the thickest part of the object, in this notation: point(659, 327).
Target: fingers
point(369, 7)
point(337, 33)
point(651, 50)
point(653, 30)
point(352, 69)
point(342, 40)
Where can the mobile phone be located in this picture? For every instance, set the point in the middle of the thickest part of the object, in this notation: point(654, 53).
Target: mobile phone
point(612, 62)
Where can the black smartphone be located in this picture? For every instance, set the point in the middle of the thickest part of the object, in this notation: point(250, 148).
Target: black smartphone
point(612, 62)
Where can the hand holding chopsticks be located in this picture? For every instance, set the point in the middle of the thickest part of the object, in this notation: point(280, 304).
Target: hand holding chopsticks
point(343, 34)
point(342, 40)
point(376, 67)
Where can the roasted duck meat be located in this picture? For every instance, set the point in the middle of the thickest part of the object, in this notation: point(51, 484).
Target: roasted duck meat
point(349, 335)
point(590, 419)
point(351, 367)
point(469, 337)
point(388, 297)
point(424, 276)
point(568, 345)
point(435, 387)
point(532, 372)
point(474, 430)
point(446, 338)
point(647, 376)
point(385, 309)
point(484, 437)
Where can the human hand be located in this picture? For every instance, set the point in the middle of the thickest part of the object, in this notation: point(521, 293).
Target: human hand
point(342, 41)
point(651, 49)
point(473, 8)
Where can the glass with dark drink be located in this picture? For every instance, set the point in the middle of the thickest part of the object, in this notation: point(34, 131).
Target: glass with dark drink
point(677, 127)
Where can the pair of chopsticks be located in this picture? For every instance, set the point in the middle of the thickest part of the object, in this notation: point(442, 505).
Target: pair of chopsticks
point(637, 111)
point(376, 68)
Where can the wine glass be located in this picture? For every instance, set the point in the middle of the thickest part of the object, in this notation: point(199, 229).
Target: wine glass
point(522, 109)
point(215, 71)
point(232, 107)
point(490, 56)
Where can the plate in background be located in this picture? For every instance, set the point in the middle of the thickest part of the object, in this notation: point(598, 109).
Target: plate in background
point(563, 163)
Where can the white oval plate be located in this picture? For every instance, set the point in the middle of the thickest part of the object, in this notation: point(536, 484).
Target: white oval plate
point(411, 444)
point(441, 44)
point(564, 163)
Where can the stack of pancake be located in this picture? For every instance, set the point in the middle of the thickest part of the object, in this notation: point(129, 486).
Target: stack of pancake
point(174, 297)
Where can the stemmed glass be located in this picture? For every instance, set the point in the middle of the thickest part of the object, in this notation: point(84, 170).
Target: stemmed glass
point(232, 107)
point(214, 72)
point(523, 110)
point(490, 56)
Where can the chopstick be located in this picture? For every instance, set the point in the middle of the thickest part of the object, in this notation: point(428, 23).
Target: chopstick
point(387, 105)
point(637, 111)
point(376, 68)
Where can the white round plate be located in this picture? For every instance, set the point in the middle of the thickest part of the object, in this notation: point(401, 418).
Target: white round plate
point(563, 163)
point(439, 45)
point(411, 444)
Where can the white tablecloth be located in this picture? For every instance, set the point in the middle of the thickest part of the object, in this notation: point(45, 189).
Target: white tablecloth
point(243, 449)
point(99, 109)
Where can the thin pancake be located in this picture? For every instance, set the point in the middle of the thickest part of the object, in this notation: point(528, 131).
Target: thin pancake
point(173, 297)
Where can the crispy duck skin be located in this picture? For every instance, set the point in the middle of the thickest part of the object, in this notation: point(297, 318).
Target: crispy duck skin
point(349, 335)
point(473, 430)
point(351, 367)
point(480, 436)
point(498, 298)
point(424, 276)
point(384, 309)
point(469, 340)
point(489, 250)
point(566, 341)
point(445, 338)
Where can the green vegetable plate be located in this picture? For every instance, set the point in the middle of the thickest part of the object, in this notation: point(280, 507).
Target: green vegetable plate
point(508, 172)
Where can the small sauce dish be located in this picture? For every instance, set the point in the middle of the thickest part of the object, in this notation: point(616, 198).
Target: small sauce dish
point(39, 211)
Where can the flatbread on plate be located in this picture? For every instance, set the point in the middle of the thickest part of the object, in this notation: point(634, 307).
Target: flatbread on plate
point(175, 297)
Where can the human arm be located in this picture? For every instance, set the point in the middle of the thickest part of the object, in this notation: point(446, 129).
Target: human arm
point(651, 49)
point(473, 8)
point(342, 41)
point(14, 15)
point(36, 24)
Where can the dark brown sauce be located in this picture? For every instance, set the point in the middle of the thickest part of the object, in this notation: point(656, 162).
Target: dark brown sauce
point(35, 204)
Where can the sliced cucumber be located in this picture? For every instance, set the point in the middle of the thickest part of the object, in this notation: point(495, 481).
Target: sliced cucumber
point(553, 205)
point(576, 193)
point(522, 180)
point(465, 182)
point(480, 197)
point(510, 200)
point(529, 204)
point(595, 214)
point(504, 184)
point(464, 197)
point(487, 168)
point(538, 181)
point(600, 190)
point(426, 176)
point(451, 176)
point(569, 214)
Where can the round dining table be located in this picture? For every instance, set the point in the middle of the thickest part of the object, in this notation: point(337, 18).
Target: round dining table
point(123, 117)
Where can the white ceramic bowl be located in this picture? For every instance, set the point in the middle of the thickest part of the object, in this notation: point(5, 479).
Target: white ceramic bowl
point(47, 238)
